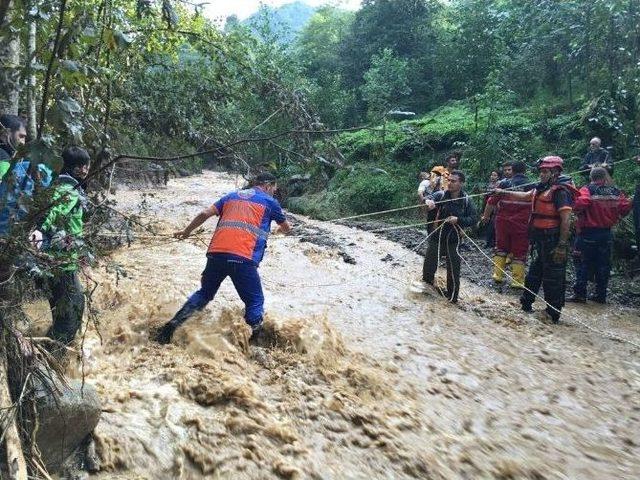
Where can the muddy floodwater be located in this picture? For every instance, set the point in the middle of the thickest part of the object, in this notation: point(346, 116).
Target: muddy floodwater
point(365, 379)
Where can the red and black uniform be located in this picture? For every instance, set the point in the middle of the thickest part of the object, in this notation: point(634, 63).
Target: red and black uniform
point(548, 200)
point(512, 218)
point(599, 208)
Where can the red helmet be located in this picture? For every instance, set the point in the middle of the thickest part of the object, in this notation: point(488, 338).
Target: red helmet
point(551, 161)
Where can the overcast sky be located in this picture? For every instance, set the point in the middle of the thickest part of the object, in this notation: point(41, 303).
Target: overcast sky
point(244, 8)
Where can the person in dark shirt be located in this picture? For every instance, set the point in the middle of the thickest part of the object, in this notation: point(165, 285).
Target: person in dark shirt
point(455, 211)
point(596, 157)
point(490, 228)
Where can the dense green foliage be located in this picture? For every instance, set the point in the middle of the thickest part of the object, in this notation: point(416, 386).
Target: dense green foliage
point(498, 80)
point(495, 79)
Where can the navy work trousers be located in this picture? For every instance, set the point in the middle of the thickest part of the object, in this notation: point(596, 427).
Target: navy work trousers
point(543, 271)
point(245, 278)
point(593, 255)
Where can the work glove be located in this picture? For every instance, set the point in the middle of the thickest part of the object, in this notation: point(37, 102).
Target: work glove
point(560, 253)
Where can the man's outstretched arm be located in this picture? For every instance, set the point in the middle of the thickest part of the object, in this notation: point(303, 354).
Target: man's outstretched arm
point(202, 217)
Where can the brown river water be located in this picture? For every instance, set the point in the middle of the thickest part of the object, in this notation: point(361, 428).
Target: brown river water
point(366, 379)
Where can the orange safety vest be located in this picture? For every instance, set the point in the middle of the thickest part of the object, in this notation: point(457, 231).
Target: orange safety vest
point(544, 214)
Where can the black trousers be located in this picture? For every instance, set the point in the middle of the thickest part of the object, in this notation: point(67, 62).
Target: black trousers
point(66, 299)
point(447, 243)
point(543, 271)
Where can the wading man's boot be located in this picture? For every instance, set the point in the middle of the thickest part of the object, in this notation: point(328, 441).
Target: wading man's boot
point(500, 263)
point(165, 334)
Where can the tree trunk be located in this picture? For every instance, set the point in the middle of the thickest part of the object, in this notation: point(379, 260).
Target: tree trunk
point(15, 458)
point(9, 63)
point(4, 8)
point(32, 125)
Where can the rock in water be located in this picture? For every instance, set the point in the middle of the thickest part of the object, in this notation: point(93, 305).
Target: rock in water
point(65, 420)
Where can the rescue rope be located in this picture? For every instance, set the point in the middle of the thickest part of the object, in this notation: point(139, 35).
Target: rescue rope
point(609, 335)
point(357, 230)
point(473, 195)
point(378, 270)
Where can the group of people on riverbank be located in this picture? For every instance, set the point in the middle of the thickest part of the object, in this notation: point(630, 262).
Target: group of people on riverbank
point(49, 212)
point(529, 219)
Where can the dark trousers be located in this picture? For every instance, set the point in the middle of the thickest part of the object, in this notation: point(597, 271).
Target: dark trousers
point(245, 278)
point(447, 244)
point(490, 234)
point(544, 272)
point(593, 254)
point(66, 299)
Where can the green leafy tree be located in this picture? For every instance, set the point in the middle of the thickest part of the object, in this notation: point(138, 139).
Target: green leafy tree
point(408, 27)
point(385, 83)
point(317, 50)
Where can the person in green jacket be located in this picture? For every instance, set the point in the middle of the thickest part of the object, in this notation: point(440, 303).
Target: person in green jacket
point(62, 230)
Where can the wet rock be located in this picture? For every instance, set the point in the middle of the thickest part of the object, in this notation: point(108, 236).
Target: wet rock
point(64, 421)
point(347, 258)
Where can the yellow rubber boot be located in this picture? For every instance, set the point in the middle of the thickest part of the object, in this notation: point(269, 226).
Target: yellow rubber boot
point(500, 263)
point(517, 272)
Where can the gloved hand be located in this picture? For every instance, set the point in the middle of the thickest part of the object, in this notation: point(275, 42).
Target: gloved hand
point(560, 253)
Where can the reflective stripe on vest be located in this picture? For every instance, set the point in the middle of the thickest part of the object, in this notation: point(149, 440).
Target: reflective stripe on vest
point(242, 226)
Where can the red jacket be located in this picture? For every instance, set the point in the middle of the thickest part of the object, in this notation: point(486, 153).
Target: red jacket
point(510, 208)
point(600, 206)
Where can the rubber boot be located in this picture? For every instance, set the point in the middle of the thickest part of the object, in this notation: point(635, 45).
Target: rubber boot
point(165, 333)
point(500, 263)
point(517, 273)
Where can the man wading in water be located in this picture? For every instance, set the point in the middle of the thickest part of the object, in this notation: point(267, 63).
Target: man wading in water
point(235, 251)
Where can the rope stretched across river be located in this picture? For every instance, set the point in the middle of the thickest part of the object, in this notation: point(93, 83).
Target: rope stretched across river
point(611, 336)
point(410, 207)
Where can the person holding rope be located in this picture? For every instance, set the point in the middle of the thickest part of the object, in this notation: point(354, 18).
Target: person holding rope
point(511, 222)
point(599, 207)
point(235, 251)
point(549, 228)
point(455, 212)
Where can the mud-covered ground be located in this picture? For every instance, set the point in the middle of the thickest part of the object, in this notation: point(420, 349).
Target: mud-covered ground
point(363, 378)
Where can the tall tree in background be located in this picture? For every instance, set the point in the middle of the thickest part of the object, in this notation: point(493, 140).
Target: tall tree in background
point(385, 84)
point(9, 57)
point(409, 29)
point(317, 49)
